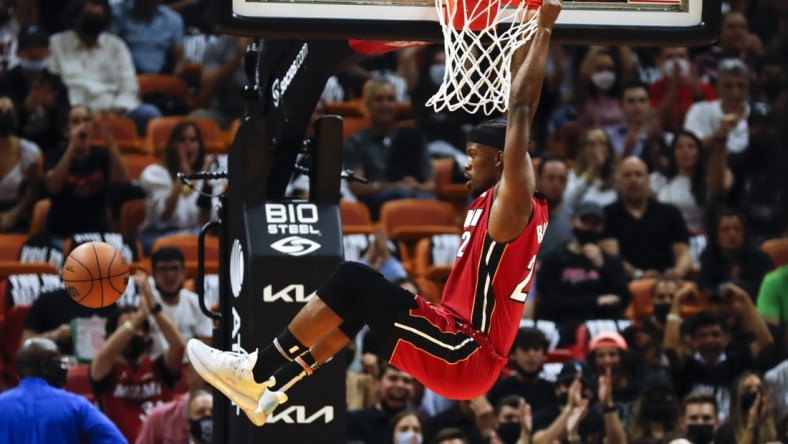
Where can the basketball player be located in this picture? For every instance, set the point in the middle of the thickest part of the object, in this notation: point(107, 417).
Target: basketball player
point(458, 349)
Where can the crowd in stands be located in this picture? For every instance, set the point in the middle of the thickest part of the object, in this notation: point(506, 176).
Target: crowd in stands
point(659, 311)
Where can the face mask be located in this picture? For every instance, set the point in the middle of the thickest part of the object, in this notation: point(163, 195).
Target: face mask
point(91, 24)
point(436, 73)
point(669, 67)
point(509, 432)
point(700, 434)
point(33, 65)
point(746, 401)
point(603, 80)
point(54, 372)
point(135, 348)
point(407, 436)
point(585, 236)
point(201, 429)
point(6, 124)
point(661, 312)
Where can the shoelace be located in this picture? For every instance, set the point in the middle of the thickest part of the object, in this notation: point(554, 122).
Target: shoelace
point(242, 355)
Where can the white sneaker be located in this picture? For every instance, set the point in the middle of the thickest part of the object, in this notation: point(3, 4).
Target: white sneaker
point(268, 403)
point(230, 372)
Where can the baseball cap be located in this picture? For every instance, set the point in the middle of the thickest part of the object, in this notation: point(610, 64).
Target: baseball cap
point(32, 36)
point(588, 208)
point(608, 339)
point(572, 368)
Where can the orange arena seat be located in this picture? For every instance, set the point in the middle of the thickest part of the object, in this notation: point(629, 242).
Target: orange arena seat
point(159, 130)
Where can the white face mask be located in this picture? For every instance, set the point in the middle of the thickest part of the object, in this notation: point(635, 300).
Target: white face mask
point(603, 80)
point(405, 437)
point(436, 73)
point(669, 67)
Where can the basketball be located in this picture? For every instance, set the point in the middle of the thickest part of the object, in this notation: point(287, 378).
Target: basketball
point(95, 274)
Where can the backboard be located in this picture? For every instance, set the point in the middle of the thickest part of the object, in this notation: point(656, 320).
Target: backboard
point(645, 22)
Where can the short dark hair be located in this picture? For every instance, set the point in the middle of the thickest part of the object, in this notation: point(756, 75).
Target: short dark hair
point(166, 254)
point(698, 398)
point(449, 433)
point(633, 85)
point(704, 319)
point(529, 337)
point(508, 401)
point(549, 157)
point(76, 7)
point(114, 318)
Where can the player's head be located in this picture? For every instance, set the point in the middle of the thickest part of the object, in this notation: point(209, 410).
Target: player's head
point(40, 358)
point(169, 271)
point(485, 146)
point(140, 343)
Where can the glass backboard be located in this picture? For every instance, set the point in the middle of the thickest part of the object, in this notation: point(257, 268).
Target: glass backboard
point(650, 22)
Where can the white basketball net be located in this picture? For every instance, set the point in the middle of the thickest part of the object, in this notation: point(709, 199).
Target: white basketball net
point(478, 74)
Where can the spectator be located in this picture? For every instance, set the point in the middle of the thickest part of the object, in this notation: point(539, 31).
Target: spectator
point(475, 418)
point(645, 338)
point(96, 66)
point(199, 416)
point(51, 314)
point(406, 428)
point(20, 162)
point(609, 356)
point(181, 305)
point(9, 28)
point(772, 303)
point(371, 425)
point(640, 133)
point(449, 436)
point(699, 417)
point(194, 13)
point(513, 417)
point(394, 160)
point(598, 84)
point(690, 180)
point(772, 76)
point(760, 188)
point(580, 281)
point(39, 411)
point(153, 33)
point(127, 381)
point(528, 356)
point(656, 412)
point(173, 207)
point(78, 178)
point(223, 76)
point(678, 89)
point(650, 237)
point(40, 97)
point(724, 121)
point(735, 41)
point(714, 361)
point(593, 177)
point(750, 419)
point(777, 379)
point(551, 180)
point(730, 256)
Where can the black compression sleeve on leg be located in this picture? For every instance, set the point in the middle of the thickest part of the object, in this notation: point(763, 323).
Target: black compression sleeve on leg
point(284, 349)
point(303, 364)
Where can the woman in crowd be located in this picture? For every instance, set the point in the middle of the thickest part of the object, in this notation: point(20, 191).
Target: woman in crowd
point(655, 414)
point(173, 207)
point(602, 72)
point(21, 172)
point(406, 428)
point(750, 420)
point(593, 177)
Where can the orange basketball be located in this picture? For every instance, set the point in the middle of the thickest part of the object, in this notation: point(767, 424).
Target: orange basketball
point(95, 274)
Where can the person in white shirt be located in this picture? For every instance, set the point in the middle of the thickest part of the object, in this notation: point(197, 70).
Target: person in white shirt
point(96, 66)
point(180, 304)
point(724, 121)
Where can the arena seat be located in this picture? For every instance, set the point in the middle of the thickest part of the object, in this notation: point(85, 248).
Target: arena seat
point(434, 257)
point(172, 85)
point(159, 130)
point(78, 381)
point(39, 219)
point(777, 249)
point(11, 245)
point(414, 219)
point(136, 164)
point(351, 125)
point(11, 336)
point(132, 216)
point(642, 306)
point(8, 268)
point(355, 217)
point(123, 130)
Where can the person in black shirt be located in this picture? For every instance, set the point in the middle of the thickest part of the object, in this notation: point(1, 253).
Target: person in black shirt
point(649, 236)
point(528, 355)
point(645, 338)
point(371, 425)
point(580, 281)
point(78, 177)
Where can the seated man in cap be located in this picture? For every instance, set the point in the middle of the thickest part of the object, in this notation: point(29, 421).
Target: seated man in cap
point(581, 282)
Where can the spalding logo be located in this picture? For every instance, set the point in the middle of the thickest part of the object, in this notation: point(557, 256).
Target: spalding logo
point(295, 246)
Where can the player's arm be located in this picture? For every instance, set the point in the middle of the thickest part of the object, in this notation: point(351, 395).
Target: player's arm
point(511, 210)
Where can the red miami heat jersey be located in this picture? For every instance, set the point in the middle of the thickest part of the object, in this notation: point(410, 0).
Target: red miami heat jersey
point(490, 281)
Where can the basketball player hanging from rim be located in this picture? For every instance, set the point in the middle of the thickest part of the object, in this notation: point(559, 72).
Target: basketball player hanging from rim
point(457, 350)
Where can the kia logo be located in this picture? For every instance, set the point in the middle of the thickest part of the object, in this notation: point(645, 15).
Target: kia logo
point(295, 246)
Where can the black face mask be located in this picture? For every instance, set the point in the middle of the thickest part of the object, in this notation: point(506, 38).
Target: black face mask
point(661, 312)
point(509, 432)
point(54, 372)
point(585, 236)
point(135, 348)
point(746, 401)
point(7, 124)
point(700, 434)
point(201, 429)
point(91, 24)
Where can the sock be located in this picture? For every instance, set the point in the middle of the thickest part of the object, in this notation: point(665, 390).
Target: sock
point(301, 367)
point(282, 350)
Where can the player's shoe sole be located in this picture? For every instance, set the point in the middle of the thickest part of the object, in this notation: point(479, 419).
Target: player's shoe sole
point(229, 372)
point(265, 407)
